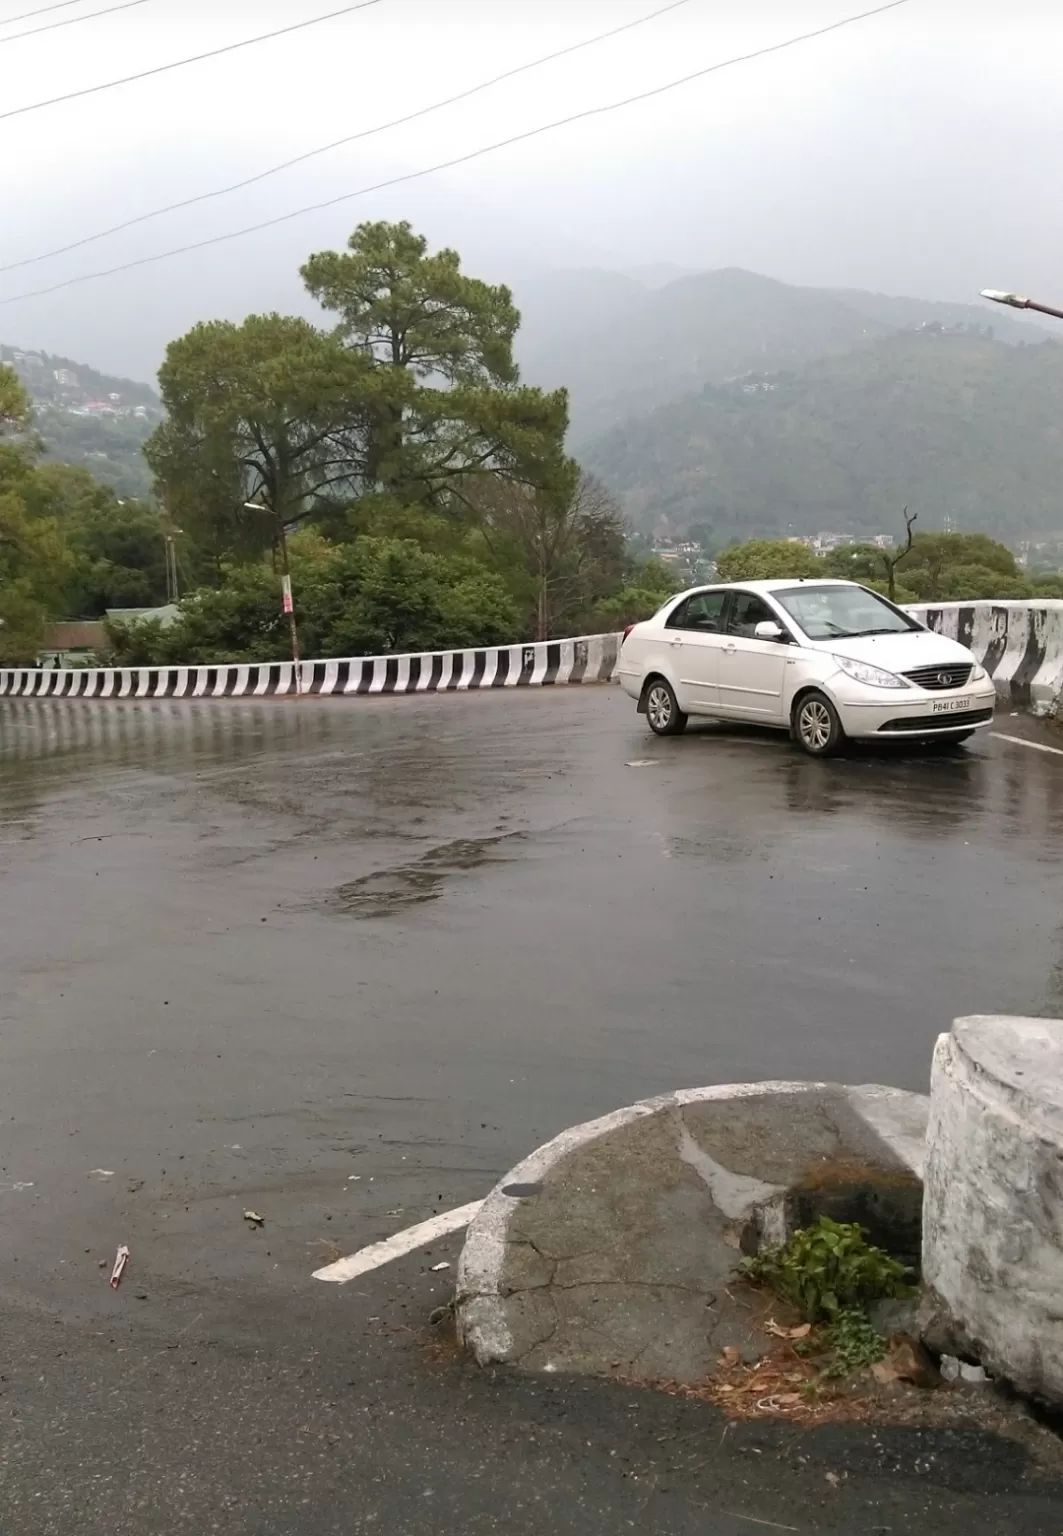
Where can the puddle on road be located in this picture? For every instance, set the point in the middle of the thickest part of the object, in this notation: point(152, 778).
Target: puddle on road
point(388, 891)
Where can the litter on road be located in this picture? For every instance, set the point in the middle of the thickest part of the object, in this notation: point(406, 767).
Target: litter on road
point(254, 1218)
point(437, 1267)
point(121, 1259)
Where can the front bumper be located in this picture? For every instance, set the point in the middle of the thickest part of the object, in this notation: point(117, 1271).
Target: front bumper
point(911, 713)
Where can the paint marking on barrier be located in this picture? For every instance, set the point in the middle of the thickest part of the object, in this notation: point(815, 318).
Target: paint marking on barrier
point(1020, 741)
point(395, 1247)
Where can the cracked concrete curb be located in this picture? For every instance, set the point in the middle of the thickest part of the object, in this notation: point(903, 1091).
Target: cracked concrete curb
point(895, 1116)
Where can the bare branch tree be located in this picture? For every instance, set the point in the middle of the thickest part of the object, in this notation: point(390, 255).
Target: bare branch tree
point(891, 562)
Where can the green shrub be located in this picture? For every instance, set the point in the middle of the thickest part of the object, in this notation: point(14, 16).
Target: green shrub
point(828, 1270)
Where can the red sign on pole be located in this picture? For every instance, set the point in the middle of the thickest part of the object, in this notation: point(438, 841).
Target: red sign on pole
point(286, 588)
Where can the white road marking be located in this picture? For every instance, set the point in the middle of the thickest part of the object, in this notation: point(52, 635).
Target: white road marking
point(394, 1247)
point(1020, 741)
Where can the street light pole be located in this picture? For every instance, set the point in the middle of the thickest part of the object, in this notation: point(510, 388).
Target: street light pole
point(287, 601)
point(1020, 301)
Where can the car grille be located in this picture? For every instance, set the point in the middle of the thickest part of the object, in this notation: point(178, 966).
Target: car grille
point(941, 677)
point(926, 725)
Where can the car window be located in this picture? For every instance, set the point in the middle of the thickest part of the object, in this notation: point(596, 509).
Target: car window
point(747, 611)
point(829, 612)
point(703, 612)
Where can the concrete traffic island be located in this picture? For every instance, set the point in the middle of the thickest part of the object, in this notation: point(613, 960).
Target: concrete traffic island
point(612, 1251)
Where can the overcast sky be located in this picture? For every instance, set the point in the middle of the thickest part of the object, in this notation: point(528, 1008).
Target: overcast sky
point(914, 152)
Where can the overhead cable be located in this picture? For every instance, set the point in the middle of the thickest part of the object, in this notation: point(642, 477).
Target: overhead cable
point(61, 5)
point(444, 165)
point(197, 58)
point(72, 21)
point(364, 133)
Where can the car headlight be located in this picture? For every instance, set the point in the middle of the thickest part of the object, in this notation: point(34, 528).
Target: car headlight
point(978, 674)
point(874, 677)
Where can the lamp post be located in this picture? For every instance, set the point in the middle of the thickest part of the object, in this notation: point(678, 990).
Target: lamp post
point(1020, 301)
point(286, 597)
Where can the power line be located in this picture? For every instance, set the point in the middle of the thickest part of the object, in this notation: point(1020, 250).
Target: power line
point(444, 165)
point(161, 69)
point(72, 21)
point(62, 5)
point(365, 133)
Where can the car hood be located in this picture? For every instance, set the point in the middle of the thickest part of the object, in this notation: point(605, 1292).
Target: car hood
point(898, 653)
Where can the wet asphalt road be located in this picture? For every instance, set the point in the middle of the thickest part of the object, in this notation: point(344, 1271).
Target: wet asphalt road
point(344, 963)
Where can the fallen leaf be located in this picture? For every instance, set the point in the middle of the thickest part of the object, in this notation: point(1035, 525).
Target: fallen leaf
point(729, 1357)
point(802, 1331)
point(906, 1361)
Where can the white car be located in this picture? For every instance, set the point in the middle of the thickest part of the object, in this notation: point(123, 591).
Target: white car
point(824, 660)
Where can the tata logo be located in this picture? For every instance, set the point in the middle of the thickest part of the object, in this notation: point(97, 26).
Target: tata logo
point(945, 679)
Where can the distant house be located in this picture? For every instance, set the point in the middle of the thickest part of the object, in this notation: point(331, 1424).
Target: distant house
point(166, 615)
point(71, 643)
point(66, 378)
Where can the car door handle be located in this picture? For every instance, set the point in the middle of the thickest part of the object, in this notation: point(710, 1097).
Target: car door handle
point(730, 649)
point(677, 639)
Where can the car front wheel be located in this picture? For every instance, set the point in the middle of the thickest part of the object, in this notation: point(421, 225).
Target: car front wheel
point(816, 725)
point(663, 714)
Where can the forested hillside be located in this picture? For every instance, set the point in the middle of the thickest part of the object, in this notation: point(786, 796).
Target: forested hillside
point(956, 425)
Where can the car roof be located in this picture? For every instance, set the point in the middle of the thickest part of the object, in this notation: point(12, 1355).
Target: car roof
point(776, 585)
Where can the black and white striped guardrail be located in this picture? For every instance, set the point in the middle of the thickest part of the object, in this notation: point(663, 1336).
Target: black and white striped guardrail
point(1020, 644)
point(588, 659)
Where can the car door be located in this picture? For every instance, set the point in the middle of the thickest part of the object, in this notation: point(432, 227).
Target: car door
point(693, 635)
point(752, 671)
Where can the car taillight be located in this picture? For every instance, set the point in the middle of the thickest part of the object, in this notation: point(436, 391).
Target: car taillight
point(627, 632)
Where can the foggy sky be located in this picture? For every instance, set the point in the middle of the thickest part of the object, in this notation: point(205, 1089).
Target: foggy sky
point(915, 152)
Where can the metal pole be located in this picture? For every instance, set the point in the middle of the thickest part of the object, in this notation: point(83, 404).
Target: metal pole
point(287, 601)
point(289, 608)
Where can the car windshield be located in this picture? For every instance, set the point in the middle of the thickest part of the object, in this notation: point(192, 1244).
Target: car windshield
point(826, 613)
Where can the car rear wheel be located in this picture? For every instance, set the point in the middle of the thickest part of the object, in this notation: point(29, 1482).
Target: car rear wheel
point(816, 725)
point(663, 714)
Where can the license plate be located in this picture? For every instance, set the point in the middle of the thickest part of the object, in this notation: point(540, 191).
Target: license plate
point(946, 706)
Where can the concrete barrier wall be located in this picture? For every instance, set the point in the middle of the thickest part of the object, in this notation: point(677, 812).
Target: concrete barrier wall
point(588, 659)
point(1020, 644)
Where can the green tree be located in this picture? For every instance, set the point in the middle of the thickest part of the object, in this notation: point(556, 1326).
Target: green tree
point(767, 560)
point(34, 566)
point(931, 567)
point(33, 560)
point(258, 412)
point(14, 402)
point(570, 549)
point(258, 429)
point(369, 597)
point(447, 408)
point(116, 548)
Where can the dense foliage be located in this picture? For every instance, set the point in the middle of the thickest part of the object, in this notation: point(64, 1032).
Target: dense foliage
point(940, 567)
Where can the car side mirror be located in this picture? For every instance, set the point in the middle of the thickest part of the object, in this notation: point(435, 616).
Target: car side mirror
point(767, 629)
